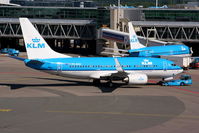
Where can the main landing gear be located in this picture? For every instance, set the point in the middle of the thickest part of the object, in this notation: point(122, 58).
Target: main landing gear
point(97, 82)
point(110, 83)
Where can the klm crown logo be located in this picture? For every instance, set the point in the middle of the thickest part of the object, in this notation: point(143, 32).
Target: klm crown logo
point(183, 48)
point(147, 62)
point(141, 78)
point(133, 39)
point(35, 40)
point(35, 44)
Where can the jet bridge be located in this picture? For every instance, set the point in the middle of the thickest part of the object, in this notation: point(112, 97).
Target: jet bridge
point(123, 37)
point(169, 31)
point(51, 28)
point(61, 34)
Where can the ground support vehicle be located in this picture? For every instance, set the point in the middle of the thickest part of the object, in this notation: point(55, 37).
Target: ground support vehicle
point(10, 51)
point(184, 80)
point(195, 63)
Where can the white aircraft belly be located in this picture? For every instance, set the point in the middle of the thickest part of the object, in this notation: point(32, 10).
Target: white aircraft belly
point(82, 74)
point(97, 74)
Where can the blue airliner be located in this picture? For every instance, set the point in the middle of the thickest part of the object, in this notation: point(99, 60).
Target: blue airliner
point(139, 50)
point(157, 51)
point(131, 70)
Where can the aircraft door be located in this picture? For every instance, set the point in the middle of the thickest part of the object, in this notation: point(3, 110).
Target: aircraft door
point(164, 65)
point(59, 68)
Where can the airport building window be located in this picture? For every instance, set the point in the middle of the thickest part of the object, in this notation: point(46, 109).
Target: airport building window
point(100, 16)
point(172, 15)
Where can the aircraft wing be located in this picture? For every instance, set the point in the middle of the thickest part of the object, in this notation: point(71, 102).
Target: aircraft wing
point(114, 54)
point(120, 71)
point(122, 50)
point(110, 51)
point(137, 50)
point(18, 58)
point(118, 74)
point(118, 66)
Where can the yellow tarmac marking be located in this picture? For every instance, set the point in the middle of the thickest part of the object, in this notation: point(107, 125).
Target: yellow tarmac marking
point(129, 114)
point(6, 110)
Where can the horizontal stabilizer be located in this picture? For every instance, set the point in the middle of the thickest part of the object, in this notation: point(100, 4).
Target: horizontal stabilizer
point(18, 58)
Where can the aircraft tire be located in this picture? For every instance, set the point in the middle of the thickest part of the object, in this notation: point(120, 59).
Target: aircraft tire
point(110, 84)
point(182, 84)
point(96, 81)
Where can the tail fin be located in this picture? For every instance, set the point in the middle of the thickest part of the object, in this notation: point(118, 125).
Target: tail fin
point(134, 42)
point(36, 46)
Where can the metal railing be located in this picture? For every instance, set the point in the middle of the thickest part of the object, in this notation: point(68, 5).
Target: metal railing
point(54, 29)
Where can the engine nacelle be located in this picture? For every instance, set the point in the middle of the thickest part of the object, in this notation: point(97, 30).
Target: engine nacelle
point(136, 78)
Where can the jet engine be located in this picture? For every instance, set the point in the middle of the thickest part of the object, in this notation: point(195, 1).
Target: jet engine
point(136, 78)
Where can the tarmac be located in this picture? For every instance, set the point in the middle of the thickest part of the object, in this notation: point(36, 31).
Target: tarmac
point(36, 102)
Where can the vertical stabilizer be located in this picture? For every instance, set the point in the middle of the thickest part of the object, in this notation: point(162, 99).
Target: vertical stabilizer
point(134, 42)
point(36, 46)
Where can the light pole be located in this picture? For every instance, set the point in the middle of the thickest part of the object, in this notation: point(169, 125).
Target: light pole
point(118, 3)
point(118, 15)
point(156, 3)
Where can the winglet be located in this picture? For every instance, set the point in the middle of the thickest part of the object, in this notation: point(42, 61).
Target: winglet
point(134, 42)
point(36, 46)
point(118, 66)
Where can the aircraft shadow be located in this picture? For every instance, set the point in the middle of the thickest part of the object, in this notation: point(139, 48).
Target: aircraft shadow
point(103, 86)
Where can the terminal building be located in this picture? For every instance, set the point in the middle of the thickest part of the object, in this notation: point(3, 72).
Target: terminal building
point(61, 26)
point(69, 29)
point(172, 25)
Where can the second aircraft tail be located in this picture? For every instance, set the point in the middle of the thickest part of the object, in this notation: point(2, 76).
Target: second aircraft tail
point(133, 39)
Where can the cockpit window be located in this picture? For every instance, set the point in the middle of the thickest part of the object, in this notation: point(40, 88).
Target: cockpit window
point(173, 64)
